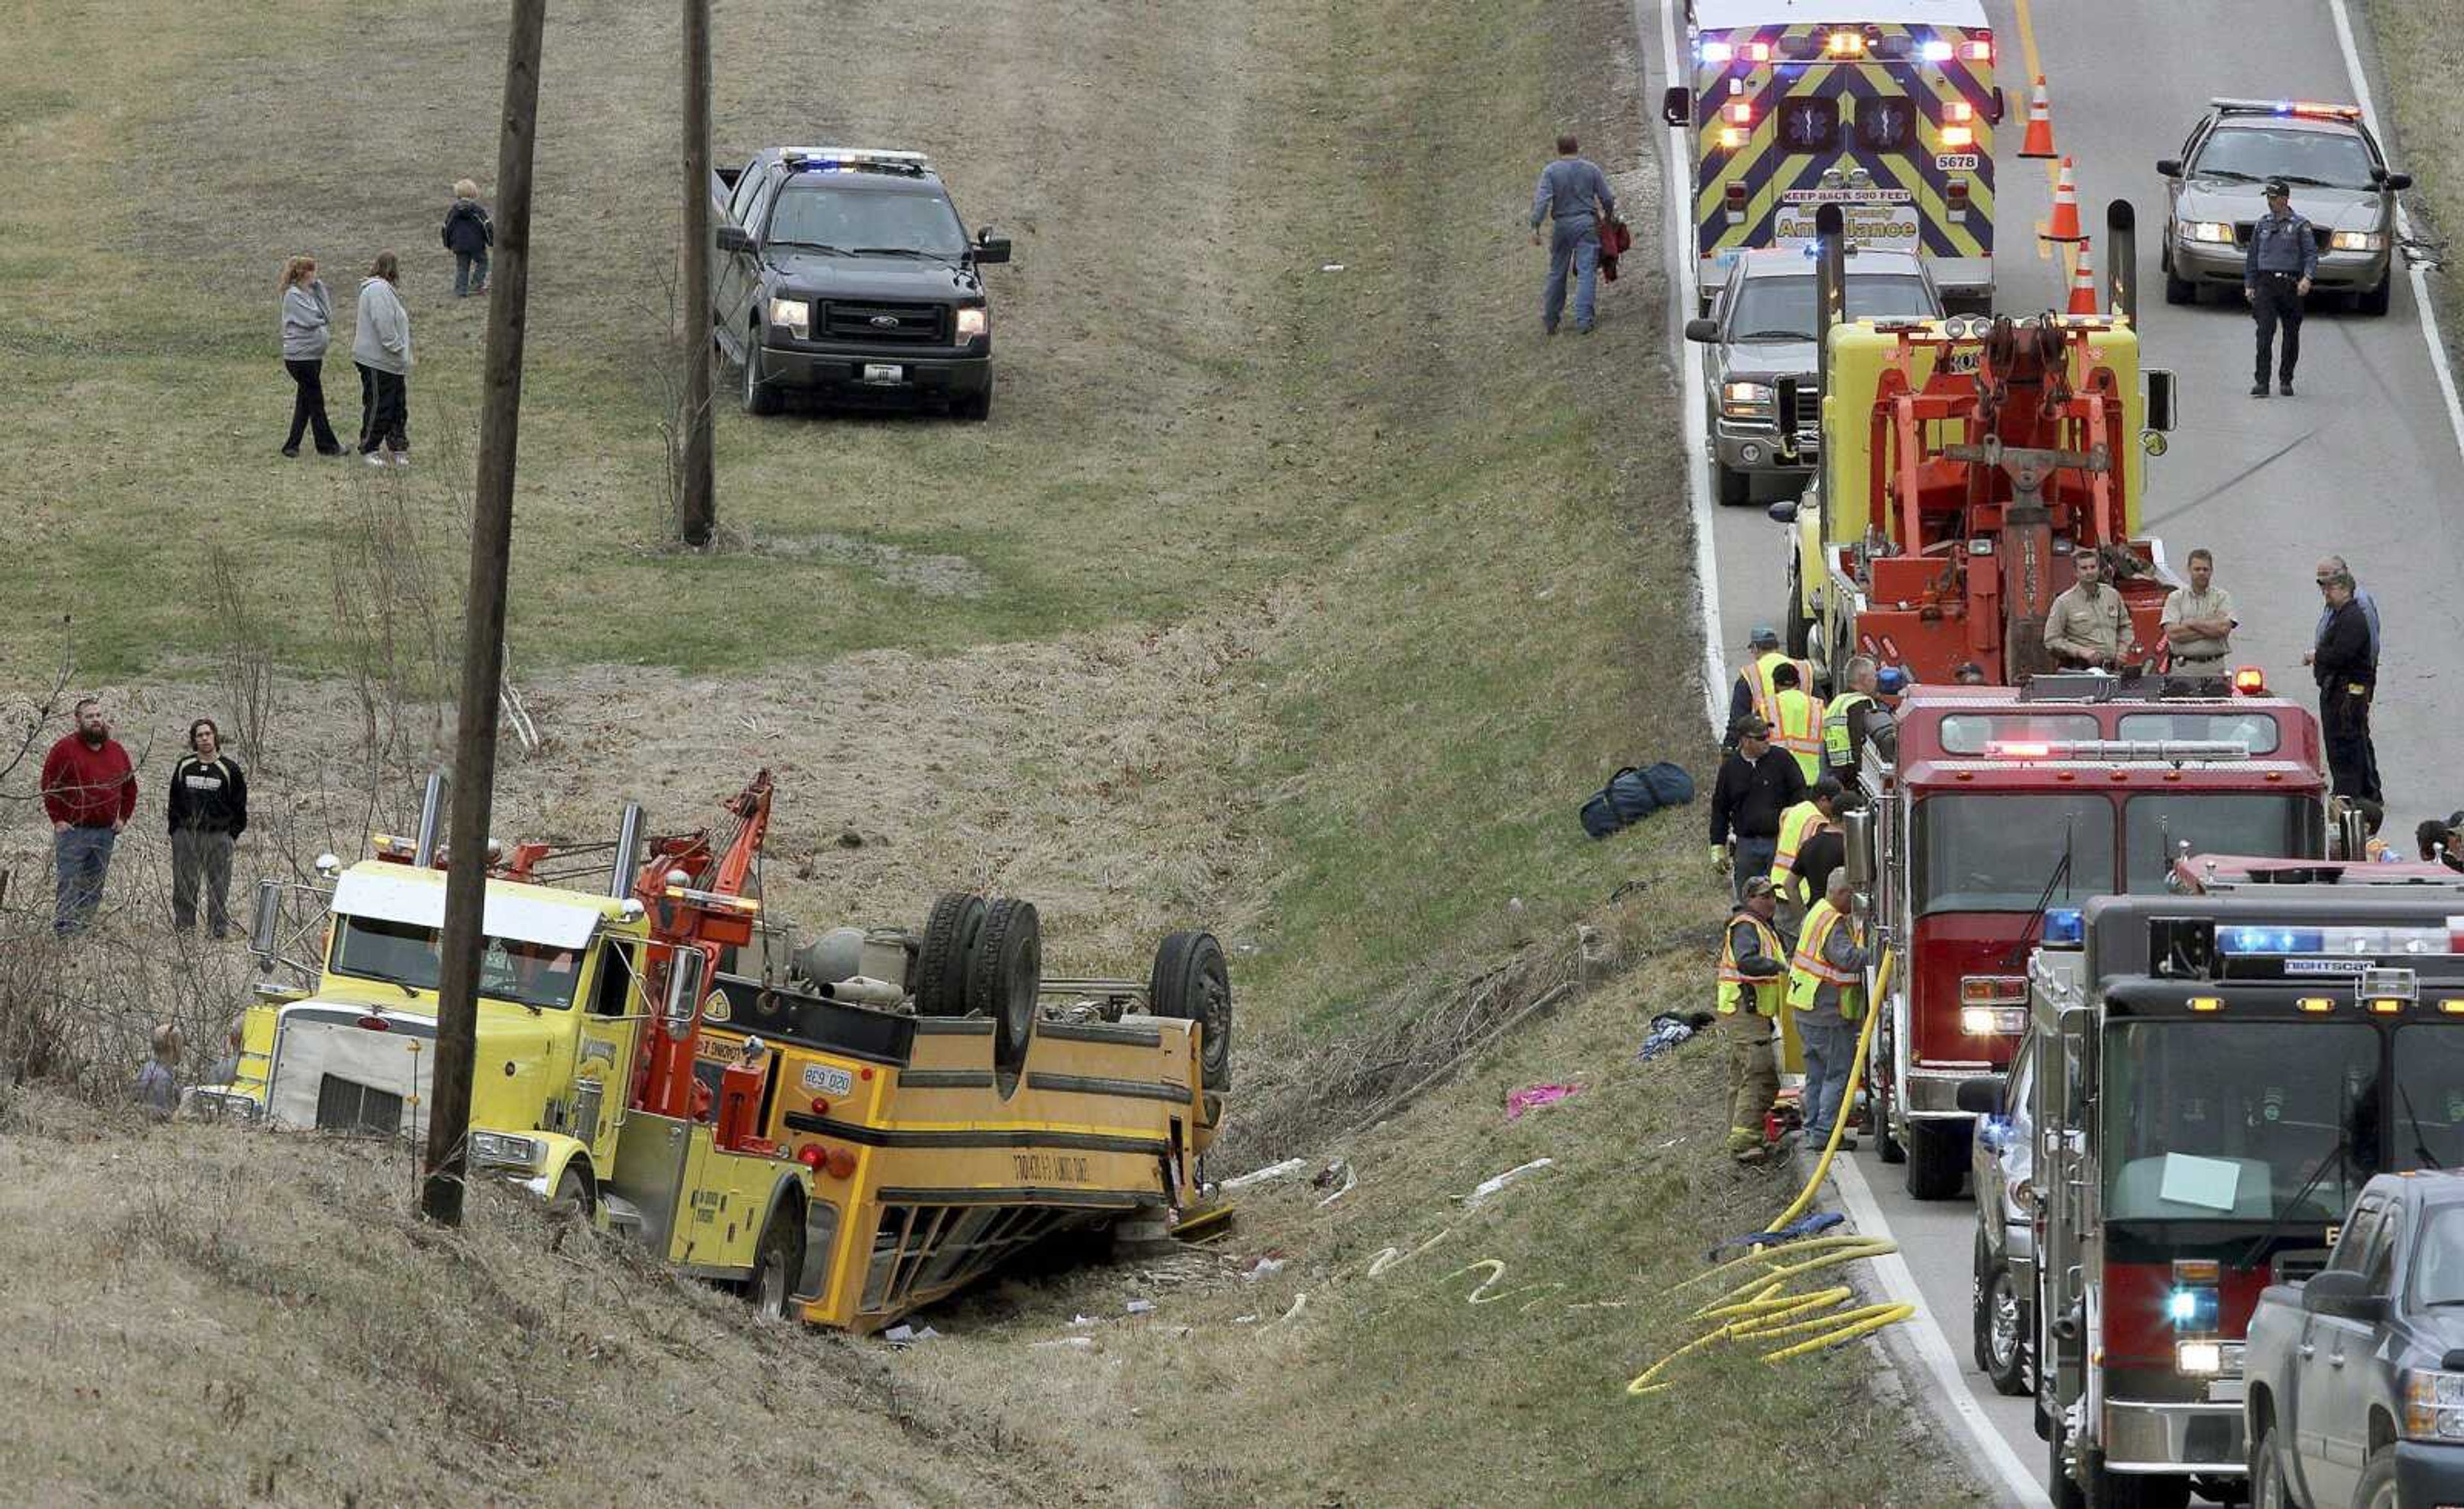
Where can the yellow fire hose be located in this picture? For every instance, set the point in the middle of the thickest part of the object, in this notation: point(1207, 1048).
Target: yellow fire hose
point(1762, 1307)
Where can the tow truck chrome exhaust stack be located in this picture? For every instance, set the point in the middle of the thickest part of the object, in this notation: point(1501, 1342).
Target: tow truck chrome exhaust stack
point(628, 839)
point(1829, 292)
point(432, 820)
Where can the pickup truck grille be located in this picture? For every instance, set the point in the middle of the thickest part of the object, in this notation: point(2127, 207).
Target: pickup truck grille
point(910, 324)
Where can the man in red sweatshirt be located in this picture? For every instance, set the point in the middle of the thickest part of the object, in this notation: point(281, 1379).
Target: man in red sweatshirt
point(90, 790)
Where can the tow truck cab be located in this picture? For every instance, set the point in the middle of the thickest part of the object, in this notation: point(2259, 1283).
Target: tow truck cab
point(1987, 806)
point(2217, 1078)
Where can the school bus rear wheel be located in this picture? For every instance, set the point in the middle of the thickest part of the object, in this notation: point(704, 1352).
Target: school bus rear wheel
point(1190, 982)
point(1006, 977)
point(952, 933)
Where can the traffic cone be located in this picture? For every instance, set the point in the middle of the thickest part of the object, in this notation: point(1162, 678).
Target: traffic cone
point(2083, 283)
point(2065, 224)
point(2039, 142)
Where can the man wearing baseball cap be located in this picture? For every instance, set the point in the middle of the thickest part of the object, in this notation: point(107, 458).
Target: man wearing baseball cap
point(1756, 783)
point(2283, 255)
point(1754, 981)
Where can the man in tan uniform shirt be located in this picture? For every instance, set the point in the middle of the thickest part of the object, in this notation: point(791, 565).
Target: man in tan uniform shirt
point(2088, 625)
point(2199, 619)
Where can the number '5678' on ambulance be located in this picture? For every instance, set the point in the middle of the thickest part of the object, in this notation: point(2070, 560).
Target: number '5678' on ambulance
point(1885, 108)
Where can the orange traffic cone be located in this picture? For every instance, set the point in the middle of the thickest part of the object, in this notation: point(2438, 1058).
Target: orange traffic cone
point(2065, 224)
point(2083, 283)
point(2039, 142)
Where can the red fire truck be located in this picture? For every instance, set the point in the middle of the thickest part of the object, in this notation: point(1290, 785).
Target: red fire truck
point(2214, 1076)
point(1987, 805)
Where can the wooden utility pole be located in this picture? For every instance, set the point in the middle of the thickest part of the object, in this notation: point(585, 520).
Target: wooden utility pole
point(483, 631)
point(699, 516)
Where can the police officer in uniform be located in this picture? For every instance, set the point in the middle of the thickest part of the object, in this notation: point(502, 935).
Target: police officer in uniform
point(2283, 256)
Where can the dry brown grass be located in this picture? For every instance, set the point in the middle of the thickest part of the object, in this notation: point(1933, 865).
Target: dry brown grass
point(2424, 113)
point(202, 1316)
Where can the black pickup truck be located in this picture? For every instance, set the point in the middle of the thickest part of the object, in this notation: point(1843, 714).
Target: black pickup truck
point(846, 274)
point(2355, 1378)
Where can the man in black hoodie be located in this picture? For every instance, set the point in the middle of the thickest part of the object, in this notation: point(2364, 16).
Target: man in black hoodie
point(1755, 785)
point(209, 813)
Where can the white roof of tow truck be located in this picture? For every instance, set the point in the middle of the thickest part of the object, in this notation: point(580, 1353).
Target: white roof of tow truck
point(1724, 15)
point(416, 897)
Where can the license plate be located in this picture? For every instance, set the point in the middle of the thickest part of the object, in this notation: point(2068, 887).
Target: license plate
point(828, 1079)
point(884, 372)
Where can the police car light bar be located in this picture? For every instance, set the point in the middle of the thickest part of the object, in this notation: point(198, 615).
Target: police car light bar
point(2310, 108)
point(826, 156)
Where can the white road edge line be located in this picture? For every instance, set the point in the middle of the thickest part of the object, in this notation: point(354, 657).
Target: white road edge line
point(2403, 227)
point(1899, 1283)
point(1931, 1345)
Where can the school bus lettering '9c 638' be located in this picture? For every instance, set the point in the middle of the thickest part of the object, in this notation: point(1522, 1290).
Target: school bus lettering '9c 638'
point(1884, 107)
point(847, 1130)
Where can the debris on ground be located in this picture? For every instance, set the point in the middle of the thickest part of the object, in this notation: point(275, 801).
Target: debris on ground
point(1338, 1173)
point(1798, 1229)
point(1273, 1171)
point(1532, 1096)
point(1266, 1268)
point(1670, 1028)
point(905, 1335)
point(1489, 1187)
point(1081, 1343)
point(1141, 1308)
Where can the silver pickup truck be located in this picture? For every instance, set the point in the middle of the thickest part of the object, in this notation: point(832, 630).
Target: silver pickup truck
point(2356, 1378)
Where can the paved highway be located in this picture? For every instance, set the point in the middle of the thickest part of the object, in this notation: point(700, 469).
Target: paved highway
point(2362, 463)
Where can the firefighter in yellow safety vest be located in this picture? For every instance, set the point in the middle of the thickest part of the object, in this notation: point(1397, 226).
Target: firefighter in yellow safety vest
point(1752, 980)
point(1846, 719)
point(1750, 694)
point(1818, 813)
point(1796, 719)
point(1826, 992)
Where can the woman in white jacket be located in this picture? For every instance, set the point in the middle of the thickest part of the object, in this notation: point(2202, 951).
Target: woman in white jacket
point(381, 347)
point(307, 318)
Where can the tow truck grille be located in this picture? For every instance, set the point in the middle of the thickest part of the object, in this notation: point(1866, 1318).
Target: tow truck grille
point(913, 324)
point(344, 1106)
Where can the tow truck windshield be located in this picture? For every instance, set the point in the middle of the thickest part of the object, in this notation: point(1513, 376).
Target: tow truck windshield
point(864, 222)
point(409, 955)
point(2320, 159)
point(1783, 308)
point(1998, 851)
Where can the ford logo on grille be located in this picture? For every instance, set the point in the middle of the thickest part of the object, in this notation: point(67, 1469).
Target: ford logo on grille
point(884, 321)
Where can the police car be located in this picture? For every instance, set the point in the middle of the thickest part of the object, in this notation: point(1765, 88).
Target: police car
point(846, 273)
point(2340, 181)
point(1761, 329)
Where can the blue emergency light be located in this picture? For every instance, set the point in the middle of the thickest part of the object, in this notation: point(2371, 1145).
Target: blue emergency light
point(2065, 928)
point(2270, 940)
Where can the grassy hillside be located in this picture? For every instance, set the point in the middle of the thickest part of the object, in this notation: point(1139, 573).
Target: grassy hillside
point(1298, 587)
point(2423, 111)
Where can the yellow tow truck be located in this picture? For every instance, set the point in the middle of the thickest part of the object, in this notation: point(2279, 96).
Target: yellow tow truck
point(861, 1133)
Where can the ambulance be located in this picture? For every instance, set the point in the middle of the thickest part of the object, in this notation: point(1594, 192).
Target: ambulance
point(1885, 108)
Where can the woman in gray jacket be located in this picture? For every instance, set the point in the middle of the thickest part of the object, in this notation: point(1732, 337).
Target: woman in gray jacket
point(381, 346)
point(307, 320)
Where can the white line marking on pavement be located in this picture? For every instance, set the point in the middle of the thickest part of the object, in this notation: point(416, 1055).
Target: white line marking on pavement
point(1991, 1453)
point(1679, 220)
point(2403, 229)
point(1932, 1345)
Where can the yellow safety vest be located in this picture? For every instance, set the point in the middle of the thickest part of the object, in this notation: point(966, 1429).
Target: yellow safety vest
point(1836, 744)
point(1734, 983)
point(1810, 971)
point(1758, 681)
point(1797, 824)
point(1797, 728)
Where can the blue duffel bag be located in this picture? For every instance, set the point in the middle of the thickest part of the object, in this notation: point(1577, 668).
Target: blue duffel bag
point(1634, 793)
